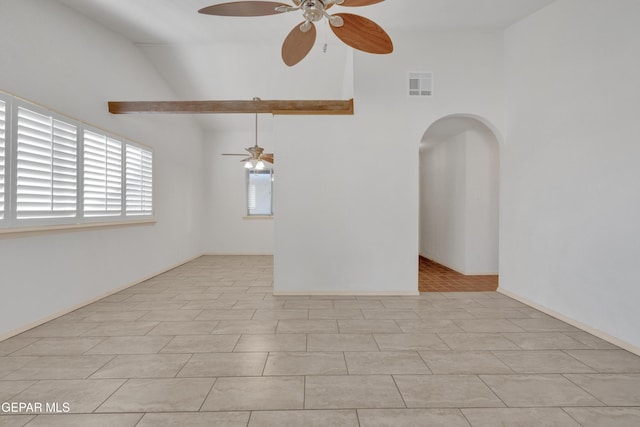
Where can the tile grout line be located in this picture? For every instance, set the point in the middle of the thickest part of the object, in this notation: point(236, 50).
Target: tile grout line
point(114, 356)
point(215, 380)
point(393, 378)
point(479, 376)
point(304, 392)
point(564, 409)
point(264, 366)
point(582, 388)
point(233, 350)
point(461, 410)
point(425, 362)
point(126, 380)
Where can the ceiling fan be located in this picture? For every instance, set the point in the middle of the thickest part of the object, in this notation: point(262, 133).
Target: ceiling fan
point(257, 156)
point(354, 30)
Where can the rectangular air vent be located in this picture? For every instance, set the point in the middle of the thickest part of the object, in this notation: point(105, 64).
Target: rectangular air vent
point(420, 84)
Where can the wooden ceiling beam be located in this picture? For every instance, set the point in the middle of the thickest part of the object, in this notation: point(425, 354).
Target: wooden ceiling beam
point(315, 107)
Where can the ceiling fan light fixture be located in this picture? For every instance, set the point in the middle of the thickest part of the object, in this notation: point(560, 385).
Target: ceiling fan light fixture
point(248, 164)
point(335, 21)
point(260, 165)
point(305, 27)
point(284, 9)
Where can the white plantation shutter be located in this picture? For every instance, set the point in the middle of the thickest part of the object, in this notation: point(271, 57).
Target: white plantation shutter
point(139, 181)
point(260, 192)
point(102, 175)
point(251, 196)
point(3, 144)
point(46, 167)
point(57, 171)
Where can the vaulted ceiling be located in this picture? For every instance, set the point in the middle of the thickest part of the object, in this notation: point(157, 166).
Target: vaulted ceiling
point(176, 21)
point(200, 55)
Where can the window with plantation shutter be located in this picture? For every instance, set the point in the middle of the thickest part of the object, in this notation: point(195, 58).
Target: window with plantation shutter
point(260, 192)
point(102, 175)
point(46, 167)
point(3, 144)
point(139, 181)
point(58, 172)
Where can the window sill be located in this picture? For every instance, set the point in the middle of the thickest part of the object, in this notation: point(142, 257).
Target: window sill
point(258, 217)
point(48, 229)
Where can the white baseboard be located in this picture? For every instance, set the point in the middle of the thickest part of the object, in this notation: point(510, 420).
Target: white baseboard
point(75, 307)
point(344, 294)
point(593, 331)
point(480, 273)
point(237, 254)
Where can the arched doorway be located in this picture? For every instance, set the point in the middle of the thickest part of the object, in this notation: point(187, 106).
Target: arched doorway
point(459, 204)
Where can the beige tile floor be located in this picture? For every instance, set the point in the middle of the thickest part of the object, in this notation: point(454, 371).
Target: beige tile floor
point(207, 344)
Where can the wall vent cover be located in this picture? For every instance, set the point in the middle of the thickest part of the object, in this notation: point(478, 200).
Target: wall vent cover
point(420, 84)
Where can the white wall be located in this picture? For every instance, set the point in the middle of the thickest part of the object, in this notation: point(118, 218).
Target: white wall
point(482, 213)
point(227, 230)
point(571, 198)
point(443, 201)
point(248, 69)
point(459, 174)
point(57, 58)
point(334, 230)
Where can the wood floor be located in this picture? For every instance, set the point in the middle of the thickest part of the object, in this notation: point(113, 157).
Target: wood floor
point(434, 277)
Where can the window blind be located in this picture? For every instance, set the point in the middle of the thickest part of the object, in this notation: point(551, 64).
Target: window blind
point(251, 196)
point(3, 138)
point(260, 192)
point(102, 194)
point(46, 167)
point(139, 181)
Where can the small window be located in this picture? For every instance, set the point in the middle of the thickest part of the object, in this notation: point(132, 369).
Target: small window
point(260, 192)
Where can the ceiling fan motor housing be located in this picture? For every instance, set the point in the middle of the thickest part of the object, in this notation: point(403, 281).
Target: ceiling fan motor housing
point(313, 10)
point(255, 151)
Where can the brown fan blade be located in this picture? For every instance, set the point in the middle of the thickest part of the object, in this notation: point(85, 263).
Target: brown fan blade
point(243, 8)
point(298, 44)
point(363, 34)
point(356, 3)
point(233, 154)
point(268, 157)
